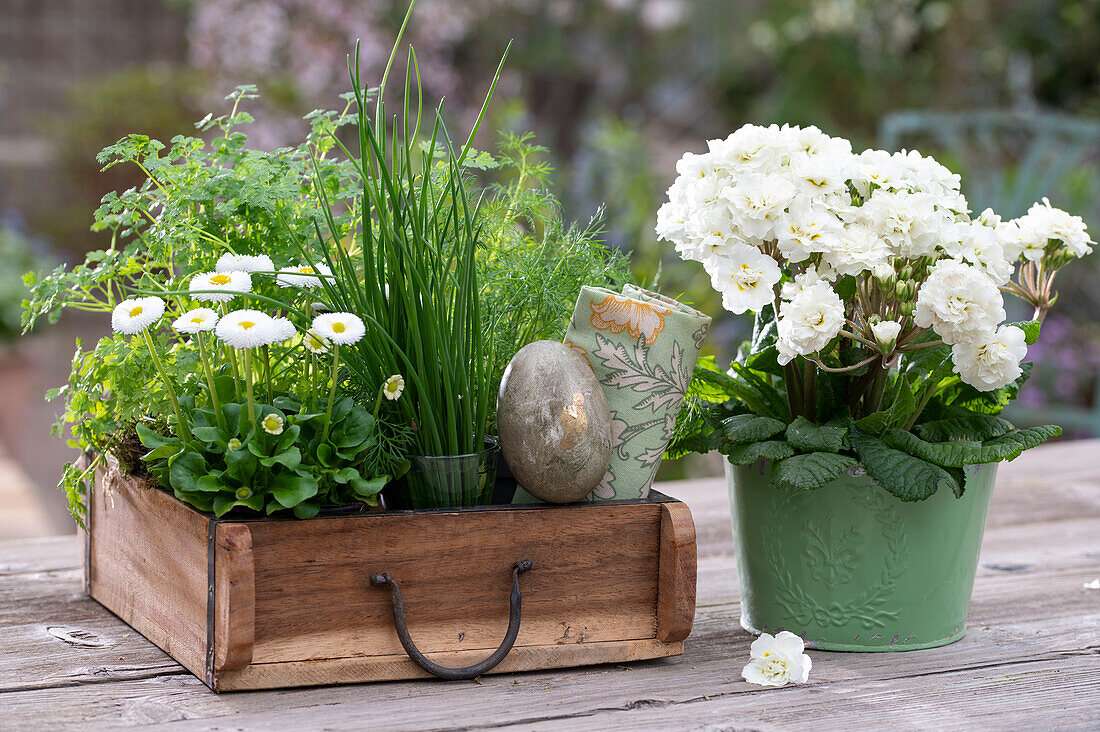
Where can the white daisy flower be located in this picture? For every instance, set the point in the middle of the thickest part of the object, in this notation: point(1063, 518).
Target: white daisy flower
point(230, 262)
point(394, 387)
point(234, 445)
point(136, 314)
point(343, 329)
point(315, 343)
point(282, 330)
point(245, 329)
point(272, 424)
point(194, 321)
point(230, 285)
point(303, 275)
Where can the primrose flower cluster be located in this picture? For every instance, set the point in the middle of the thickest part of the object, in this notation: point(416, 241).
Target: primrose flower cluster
point(782, 215)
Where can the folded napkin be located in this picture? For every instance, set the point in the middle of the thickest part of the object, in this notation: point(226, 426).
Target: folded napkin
point(642, 347)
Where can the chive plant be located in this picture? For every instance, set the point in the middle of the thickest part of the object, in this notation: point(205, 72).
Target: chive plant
point(413, 280)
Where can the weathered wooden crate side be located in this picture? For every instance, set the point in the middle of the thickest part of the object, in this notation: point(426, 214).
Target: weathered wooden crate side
point(146, 561)
point(292, 604)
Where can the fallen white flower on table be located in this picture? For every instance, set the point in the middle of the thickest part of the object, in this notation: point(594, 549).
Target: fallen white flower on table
point(1094, 585)
point(777, 660)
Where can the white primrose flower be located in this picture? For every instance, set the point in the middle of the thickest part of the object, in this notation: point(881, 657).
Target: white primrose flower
point(745, 277)
point(227, 284)
point(821, 176)
point(272, 424)
point(857, 249)
point(759, 203)
point(801, 281)
point(1043, 222)
point(991, 363)
point(777, 660)
point(807, 228)
point(876, 168)
point(199, 320)
point(977, 244)
point(245, 329)
point(136, 314)
point(808, 321)
point(230, 262)
point(960, 302)
point(394, 387)
point(303, 275)
point(909, 223)
point(886, 333)
point(343, 329)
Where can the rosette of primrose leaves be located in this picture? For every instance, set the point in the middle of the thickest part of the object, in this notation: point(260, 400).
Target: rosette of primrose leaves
point(266, 427)
point(879, 336)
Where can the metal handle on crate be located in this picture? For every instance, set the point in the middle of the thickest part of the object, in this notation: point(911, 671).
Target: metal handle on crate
point(443, 672)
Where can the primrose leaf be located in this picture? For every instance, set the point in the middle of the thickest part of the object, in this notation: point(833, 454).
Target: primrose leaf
point(1010, 445)
point(907, 477)
point(1030, 329)
point(954, 454)
point(751, 452)
point(811, 470)
point(751, 427)
point(974, 427)
point(806, 436)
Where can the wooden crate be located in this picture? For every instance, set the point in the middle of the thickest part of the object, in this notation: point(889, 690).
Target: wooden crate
point(278, 603)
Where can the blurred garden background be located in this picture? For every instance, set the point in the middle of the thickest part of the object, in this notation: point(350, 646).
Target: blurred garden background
point(1005, 92)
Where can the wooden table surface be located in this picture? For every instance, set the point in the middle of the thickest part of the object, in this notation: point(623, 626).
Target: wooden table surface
point(1031, 658)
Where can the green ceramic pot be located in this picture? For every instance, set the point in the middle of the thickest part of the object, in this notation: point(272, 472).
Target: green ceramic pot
point(849, 567)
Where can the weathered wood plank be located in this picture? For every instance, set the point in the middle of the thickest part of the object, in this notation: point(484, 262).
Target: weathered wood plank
point(234, 598)
point(132, 555)
point(589, 584)
point(579, 694)
point(1031, 658)
point(676, 589)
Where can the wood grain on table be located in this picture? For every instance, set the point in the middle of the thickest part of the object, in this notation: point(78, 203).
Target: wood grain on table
point(1031, 658)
